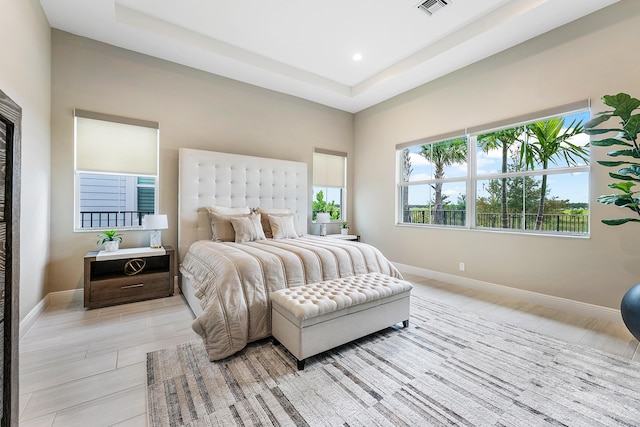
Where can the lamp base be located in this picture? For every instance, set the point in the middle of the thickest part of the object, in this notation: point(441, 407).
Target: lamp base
point(155, 239)
point(323, 229)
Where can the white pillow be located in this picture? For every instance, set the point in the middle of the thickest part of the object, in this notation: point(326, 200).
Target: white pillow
point(283, 226)
point(224, 210)
point(247, 228)
point(265, 212)
point(219, 219)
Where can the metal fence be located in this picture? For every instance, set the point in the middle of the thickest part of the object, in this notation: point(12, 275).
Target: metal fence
point(560, 223)
point(443, 217)
point(112, 219)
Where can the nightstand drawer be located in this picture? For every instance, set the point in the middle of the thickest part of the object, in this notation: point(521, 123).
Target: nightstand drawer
point(106, 281)
point(146, 285)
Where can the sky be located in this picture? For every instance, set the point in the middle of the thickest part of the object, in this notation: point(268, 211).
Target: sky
point(573, 187)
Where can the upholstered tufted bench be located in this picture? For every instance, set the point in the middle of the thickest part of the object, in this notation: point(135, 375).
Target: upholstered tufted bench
point(314, 318)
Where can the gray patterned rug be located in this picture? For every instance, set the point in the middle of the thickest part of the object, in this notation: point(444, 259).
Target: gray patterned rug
point(447, 368)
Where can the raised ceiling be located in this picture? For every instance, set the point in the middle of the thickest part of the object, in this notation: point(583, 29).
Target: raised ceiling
point(306, 48)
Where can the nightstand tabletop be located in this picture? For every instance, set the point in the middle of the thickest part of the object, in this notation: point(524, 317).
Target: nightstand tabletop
point(132, 253)
point(344, 236)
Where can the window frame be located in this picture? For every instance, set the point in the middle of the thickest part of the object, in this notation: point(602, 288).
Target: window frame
point(445, 180)
point(78, 220)
point(473, 177)
point(119, 213)
point(343, 189)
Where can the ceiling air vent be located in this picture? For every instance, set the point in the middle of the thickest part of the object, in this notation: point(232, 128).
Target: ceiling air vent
point(432, 6)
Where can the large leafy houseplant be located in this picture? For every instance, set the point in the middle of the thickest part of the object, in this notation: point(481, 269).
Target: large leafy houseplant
point(627, 176)
point(627, 158)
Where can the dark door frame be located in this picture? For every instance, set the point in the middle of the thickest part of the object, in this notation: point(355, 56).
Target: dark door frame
point(11, 117)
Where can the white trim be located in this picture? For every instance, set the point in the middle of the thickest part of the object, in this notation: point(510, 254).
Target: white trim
point(66, 297)
point(571, 306)
point(564, 304)
point(52, 298)
point(32, 316)
point(59, 298)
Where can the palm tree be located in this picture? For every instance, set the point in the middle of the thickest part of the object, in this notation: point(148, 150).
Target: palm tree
point(442, 154)
point(549, 142)
point(407, 169)
point(502, 139)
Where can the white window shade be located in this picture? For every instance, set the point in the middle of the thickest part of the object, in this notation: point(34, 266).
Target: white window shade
point(106, 144)
point(328, 170)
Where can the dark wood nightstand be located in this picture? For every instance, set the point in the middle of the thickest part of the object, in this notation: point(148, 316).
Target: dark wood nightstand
point(127, 275)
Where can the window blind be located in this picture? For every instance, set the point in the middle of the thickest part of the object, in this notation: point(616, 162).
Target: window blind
point(113, 144)
point(329, 169)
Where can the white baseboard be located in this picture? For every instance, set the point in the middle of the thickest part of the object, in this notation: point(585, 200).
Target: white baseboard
point(52, 298)
point(58, 298)
point(66, 297)
point(564, 304)
point(32, 316)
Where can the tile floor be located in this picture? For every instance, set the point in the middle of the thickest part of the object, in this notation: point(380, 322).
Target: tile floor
point(87, 367)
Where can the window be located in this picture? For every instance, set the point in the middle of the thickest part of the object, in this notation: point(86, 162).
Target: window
point(434, 187)
point(329, 184)
point(116, 171)
point(528, 176)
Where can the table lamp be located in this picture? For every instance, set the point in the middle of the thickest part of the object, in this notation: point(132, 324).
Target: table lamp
point(155, 223)
point(323, 219)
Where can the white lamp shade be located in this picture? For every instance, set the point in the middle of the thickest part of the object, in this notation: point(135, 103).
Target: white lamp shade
point(323, 218)
point(155, 222)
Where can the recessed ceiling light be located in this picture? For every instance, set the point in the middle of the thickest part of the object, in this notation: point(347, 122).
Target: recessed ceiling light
point(357, 56)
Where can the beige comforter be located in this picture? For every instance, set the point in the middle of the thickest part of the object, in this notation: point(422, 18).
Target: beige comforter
point(233, 281)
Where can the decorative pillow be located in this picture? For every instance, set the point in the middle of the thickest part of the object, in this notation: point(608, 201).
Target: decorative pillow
point(265, 212)
point(247, 228)
point(283, 226)
point(221, 228)
point(219, 218)
point(224, 210)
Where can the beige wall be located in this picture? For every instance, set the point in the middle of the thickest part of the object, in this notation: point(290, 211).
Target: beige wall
point(25, 76)
point(199, 110)
point(585, 59)
point(194, 109)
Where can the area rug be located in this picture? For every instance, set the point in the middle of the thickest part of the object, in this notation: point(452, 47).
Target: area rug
point(448, 368)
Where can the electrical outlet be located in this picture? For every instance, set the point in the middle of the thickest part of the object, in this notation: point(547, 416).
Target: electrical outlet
point(461, 267)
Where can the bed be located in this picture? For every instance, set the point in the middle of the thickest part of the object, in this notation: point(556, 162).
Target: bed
point(228, 268)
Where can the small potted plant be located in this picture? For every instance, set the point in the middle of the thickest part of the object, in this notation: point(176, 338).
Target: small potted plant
point(110, 239)
point(344, 227)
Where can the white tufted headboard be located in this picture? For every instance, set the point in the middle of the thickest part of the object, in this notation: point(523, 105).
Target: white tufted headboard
point(208, 178)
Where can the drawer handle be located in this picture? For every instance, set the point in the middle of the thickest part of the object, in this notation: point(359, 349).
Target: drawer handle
point(139, 285)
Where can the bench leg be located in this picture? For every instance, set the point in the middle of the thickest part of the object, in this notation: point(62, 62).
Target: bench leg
point(300, 364)
point(405, 323)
